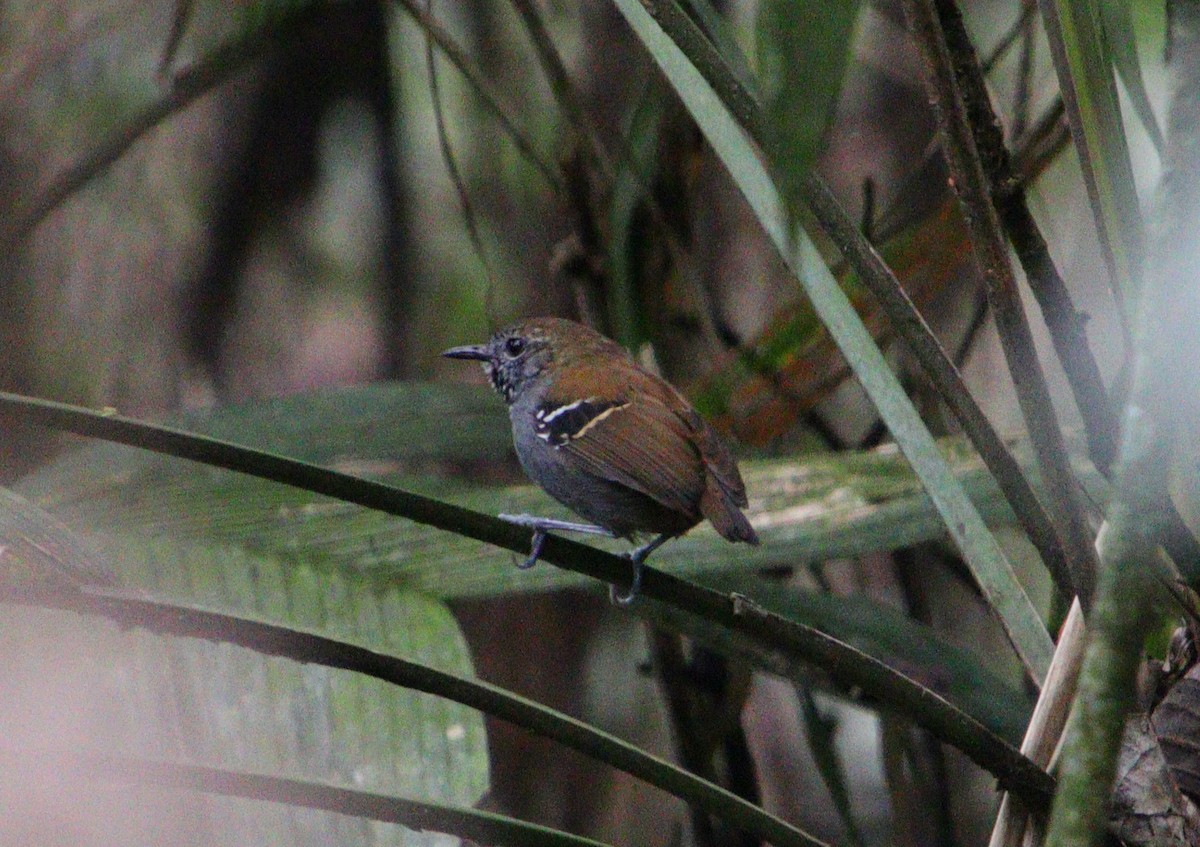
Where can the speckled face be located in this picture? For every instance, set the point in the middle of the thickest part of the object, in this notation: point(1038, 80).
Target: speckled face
point(513, 358)
point(516, 357)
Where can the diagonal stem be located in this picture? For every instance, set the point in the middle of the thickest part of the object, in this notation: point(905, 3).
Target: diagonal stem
point(991, 254)
point(874, 273)
point(1067, 325)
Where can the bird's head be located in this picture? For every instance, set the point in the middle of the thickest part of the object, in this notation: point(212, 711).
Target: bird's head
point(519, 356)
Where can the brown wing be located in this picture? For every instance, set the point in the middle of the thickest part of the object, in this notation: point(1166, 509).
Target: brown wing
point(724, 491)
point(656, 444)
point(718, 459)
point(645, 446)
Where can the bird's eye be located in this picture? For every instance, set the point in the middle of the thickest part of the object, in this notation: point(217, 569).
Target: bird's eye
point(515, 346)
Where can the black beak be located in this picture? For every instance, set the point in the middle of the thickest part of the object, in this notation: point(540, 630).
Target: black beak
point(478, 352)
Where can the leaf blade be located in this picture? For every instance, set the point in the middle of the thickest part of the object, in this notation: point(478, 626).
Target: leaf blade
point(987, 562)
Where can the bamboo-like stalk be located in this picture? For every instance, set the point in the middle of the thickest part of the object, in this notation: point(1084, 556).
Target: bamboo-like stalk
point(1163, 401)
point(1048, 721)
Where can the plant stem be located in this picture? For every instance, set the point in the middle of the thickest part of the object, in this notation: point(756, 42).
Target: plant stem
point(1164, 401)
point(991, 253)
point(771, 636)
point(1067, 326)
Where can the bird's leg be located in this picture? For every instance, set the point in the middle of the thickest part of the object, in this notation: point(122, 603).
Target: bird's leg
point(637, 557)
point(541, 526)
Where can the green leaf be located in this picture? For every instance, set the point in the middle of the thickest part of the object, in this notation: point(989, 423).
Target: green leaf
point(185, 621)
point(1122, 38)
point(828, 506)
point(802, 53)
point(36, 548)
point(1083, 61)
point(896, 639)
point(824, 507)
point(231, 706)
point(983, 555)
point(768, 640)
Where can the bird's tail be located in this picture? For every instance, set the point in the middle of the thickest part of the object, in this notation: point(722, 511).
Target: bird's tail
point(725, 516)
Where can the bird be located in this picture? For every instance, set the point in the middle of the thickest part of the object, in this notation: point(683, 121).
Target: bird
point(613, 442)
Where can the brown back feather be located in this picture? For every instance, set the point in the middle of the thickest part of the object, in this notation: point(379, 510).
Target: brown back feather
point(658, 445)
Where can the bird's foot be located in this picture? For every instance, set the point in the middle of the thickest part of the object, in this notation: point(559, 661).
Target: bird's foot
point(638, 558)
point(541, 526)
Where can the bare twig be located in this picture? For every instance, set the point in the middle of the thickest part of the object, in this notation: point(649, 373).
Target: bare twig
point(486, 91)
point(991, 252)
point(464, 198)
point(560, 83)
point(1028, 12)
point(179, 22)
point(1067, 326)
point(1021, 95)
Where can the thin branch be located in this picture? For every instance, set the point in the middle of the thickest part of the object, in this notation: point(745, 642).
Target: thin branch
point(768, 633)
point(991, 254)
point(486, 92)
point(482, 827)
point(456, 178)
point(684, 31)
point(979, 316)
point(821, 729)
point(179, 23)
point(560, 83)
point(945, 377)
point(1067, 326)
point(1017, 30)
point(692, 735)
point(1023, 89)
point(164, 618)
point(1042, 142)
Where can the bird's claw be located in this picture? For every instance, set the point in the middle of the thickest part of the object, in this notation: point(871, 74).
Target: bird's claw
point(535, 549)
point(638, 558)
point(635, 584)
point(541, 526)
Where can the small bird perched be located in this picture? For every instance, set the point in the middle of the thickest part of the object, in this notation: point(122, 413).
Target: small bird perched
point(609, 440)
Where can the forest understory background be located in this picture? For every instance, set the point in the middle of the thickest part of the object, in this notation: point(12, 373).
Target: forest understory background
point(263, 222)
